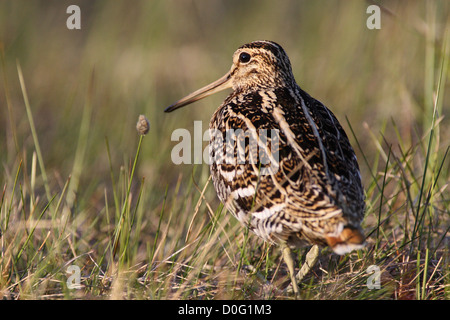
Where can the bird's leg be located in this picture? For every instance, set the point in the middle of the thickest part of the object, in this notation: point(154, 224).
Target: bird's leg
point(310, 261)
point(290, 264)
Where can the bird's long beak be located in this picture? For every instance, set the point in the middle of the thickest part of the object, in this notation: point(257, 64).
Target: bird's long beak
point(218, 85)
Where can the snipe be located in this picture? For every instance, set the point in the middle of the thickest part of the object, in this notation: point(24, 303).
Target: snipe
point(312, 194)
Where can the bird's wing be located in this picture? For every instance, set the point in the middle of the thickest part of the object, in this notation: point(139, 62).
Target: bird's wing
point(291, 178)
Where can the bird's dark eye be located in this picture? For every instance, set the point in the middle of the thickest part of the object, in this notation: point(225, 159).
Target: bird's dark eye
point(244, 57)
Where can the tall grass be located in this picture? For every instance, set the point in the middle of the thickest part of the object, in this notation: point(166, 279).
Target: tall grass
point(80, 187)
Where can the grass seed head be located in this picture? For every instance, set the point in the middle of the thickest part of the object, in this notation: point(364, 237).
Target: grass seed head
point(143, 125)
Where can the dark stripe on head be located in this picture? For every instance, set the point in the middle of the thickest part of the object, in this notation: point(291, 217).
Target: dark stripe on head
point(271, 46)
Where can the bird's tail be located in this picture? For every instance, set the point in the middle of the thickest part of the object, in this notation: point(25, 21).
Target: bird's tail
point(349, 239)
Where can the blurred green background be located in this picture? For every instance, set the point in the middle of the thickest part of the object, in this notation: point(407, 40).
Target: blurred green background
point(147, 54)
point(137, 57)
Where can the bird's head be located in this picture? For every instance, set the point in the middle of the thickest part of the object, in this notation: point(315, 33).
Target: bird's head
point(256, 65)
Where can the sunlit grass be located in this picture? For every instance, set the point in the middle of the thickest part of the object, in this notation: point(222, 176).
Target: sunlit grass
point(80, 187)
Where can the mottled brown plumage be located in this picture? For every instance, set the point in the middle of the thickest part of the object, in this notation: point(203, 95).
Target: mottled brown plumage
point(312, 193)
